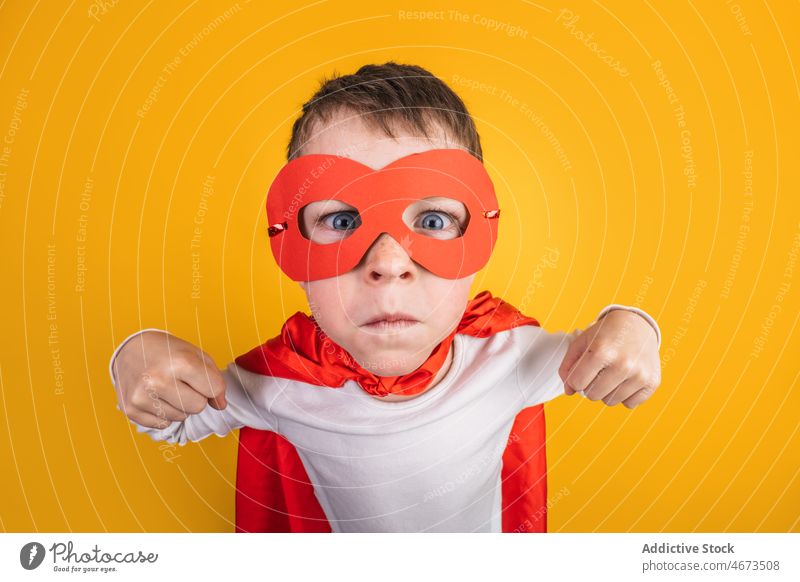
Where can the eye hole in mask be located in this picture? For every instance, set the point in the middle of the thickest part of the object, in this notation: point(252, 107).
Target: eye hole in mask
point(330, 221)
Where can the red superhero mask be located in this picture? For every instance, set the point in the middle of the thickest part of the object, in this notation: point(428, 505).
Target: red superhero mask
point(380, 198)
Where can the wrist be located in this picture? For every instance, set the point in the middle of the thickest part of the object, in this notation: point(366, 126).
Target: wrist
point(643, 314)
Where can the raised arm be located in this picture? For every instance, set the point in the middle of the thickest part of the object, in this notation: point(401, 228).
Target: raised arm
point(173, 391)
point(615, 359)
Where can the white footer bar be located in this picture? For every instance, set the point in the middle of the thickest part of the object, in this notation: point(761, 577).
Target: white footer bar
point(406, 557)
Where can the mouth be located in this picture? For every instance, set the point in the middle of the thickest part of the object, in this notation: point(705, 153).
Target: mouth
point(391, 321)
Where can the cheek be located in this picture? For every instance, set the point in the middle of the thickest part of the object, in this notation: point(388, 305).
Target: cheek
point(451, 300)
point(328, 300)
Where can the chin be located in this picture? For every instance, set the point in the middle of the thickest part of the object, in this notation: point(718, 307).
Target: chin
point(391, 362)
point(393, 353)
point(391, 368)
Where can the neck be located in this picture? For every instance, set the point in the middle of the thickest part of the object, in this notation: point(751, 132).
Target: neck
point(436, 379)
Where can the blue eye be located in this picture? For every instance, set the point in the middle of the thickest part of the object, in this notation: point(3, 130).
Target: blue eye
point(342, 220)
point(435, 221)
point(432, 221)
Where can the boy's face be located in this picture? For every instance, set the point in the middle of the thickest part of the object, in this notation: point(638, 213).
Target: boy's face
point(387, 280)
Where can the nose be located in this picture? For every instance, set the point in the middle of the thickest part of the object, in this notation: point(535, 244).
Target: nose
point(387, 261)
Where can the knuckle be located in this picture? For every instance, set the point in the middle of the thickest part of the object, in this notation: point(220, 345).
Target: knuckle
point(149, 382)
point(206, 360)
point(139, 398)
point(179, 363)
point(628, 365)
point(604, 351)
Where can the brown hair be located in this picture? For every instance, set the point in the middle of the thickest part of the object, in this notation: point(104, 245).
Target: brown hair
point(388, 96)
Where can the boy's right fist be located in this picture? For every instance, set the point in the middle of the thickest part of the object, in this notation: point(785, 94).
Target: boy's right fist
point(161, 379)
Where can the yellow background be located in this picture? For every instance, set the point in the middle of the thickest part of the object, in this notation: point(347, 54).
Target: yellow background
point(588, 163)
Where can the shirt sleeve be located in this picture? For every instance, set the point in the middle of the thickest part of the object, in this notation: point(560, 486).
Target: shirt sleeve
point(543, 353)
point(248, 400)
point(541, 356)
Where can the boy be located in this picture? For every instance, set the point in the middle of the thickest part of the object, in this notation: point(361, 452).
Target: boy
point(400, 392)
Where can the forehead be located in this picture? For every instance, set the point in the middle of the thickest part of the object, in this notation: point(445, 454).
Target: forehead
point(349, 134)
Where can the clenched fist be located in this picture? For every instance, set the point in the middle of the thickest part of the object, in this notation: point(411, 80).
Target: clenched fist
point(161, 378)
point(615, 360)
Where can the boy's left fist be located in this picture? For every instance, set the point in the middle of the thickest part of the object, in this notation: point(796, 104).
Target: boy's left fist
point(614, 360)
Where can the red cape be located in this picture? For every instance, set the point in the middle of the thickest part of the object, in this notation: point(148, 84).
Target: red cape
point(273, 491)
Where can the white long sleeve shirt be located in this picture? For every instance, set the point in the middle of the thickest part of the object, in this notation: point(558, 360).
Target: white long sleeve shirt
point(431, 463)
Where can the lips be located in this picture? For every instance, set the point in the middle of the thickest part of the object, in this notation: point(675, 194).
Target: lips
point(391, 321)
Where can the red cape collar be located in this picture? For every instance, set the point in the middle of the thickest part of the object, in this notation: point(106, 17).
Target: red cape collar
point(303, 352)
